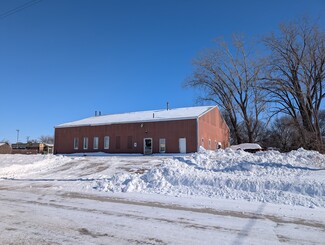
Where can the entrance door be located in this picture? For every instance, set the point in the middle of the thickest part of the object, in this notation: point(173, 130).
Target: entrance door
point(182, 145)
point(147, 144)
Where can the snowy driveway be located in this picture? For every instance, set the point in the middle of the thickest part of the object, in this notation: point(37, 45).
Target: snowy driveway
point(162, 199)
point(42, 215)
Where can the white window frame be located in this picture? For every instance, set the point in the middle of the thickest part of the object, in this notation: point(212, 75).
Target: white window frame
point(106, 142)
point(95, 143)
point(76, 143)
point(162, 145)
point(85, 143)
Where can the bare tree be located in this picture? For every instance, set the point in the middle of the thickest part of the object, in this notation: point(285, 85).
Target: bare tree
point(295, 76)
point(5, 141)
point(229, 77)
point(284, 134)
point(322, 123)
point(46, 139)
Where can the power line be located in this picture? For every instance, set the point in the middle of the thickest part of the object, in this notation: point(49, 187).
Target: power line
point(19, 8)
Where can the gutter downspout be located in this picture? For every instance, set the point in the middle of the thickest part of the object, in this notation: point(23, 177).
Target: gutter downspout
point(197, 134)
point(53, 150)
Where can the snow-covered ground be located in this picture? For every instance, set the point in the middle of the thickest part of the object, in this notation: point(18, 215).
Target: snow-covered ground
point(228, 196)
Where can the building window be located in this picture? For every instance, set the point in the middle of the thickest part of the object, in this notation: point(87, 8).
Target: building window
point(95, 143)
point(75, 143)
point(85, 143)
point(162, 145)
point(130, 141)
point(118, 142)
point(106, 142)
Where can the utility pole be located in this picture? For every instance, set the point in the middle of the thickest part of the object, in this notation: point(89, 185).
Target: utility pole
point(17, 137)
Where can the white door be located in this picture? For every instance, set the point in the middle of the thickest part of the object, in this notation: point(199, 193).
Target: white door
point(182, 145)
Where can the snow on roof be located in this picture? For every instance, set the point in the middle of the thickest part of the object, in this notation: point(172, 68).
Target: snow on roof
point(246, 146)
point(141, 116)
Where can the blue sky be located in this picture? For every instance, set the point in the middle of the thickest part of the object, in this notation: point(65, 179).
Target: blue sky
point(61, 60)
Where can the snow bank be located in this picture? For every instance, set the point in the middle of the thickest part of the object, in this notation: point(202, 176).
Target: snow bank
point(295, 178)
point(17, 166)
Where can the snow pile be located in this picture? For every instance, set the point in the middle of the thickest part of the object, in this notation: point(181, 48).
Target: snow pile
point(295, 178)
point(18, 166)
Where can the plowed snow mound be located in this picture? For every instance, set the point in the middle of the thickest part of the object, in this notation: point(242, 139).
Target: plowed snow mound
point(295, 178)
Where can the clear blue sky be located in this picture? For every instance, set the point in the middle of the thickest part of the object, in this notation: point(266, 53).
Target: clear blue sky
point(60, 60)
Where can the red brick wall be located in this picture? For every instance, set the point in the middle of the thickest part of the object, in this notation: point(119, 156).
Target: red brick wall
point(170, 130)
point(213, 129)
point(25, 151)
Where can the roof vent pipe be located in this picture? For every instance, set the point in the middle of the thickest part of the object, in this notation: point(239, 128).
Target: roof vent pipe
point(95, 113)
point(153, 115)
point(99, 113)
point(167, 105)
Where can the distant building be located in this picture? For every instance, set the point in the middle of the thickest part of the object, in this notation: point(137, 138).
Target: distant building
point(48, 148)
point(28, 148)
point(5, 148)
point(178, 130)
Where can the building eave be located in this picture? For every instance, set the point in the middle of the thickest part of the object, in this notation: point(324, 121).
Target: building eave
point(125, 122)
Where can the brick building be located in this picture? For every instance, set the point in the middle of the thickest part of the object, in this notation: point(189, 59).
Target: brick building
point(179, 130)
point(5, 148)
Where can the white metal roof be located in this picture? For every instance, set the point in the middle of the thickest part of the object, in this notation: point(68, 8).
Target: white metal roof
point(141, 116)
